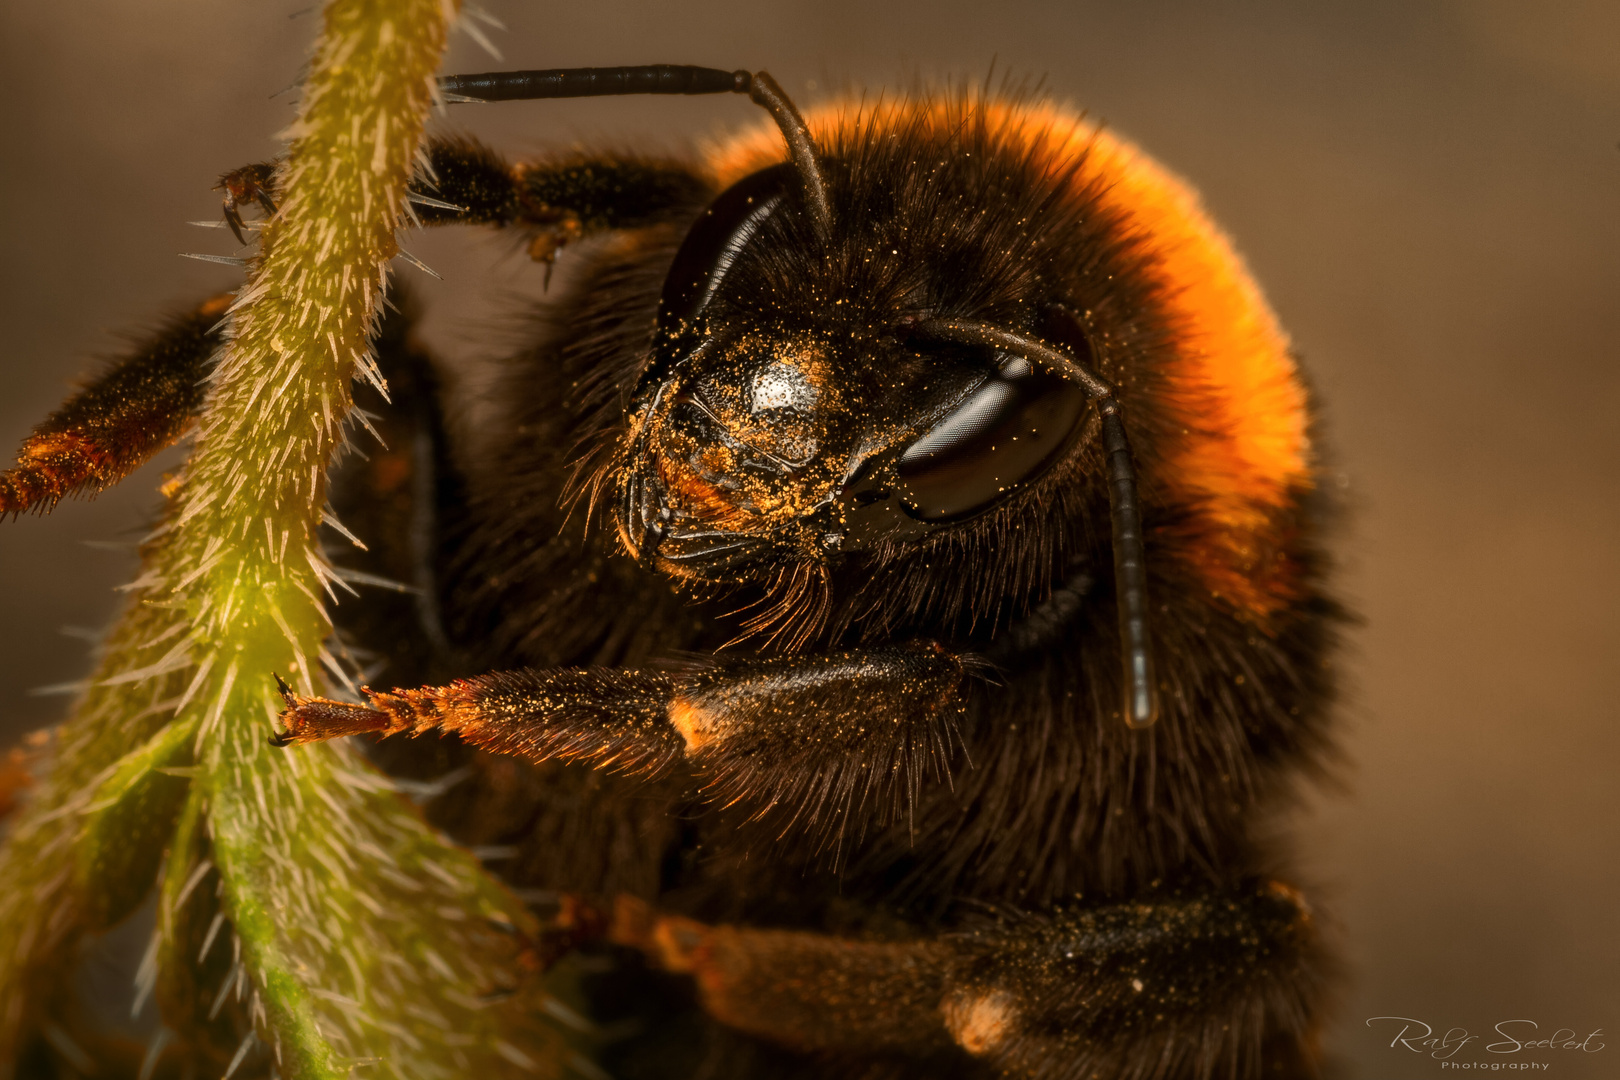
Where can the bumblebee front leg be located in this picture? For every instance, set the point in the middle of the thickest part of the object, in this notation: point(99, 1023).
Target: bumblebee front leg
point(809, 731)
point(556, 201)
point(134, 409)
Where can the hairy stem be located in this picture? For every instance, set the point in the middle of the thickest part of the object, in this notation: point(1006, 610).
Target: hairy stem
point(354, 933)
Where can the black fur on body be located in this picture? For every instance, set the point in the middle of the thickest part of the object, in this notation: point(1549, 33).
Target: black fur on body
point(1036, 815)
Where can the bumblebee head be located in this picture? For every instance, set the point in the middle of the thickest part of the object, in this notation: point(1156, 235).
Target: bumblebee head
point(826, 414)
point(820, 445)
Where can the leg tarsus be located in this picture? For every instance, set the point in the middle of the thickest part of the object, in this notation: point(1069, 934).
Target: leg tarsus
point(315, 719)
point(249, 184)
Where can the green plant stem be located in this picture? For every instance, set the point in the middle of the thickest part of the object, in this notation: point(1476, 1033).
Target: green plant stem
point(359, 935)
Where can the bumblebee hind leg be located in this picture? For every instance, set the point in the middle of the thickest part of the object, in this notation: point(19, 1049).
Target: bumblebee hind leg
point(1205, 985)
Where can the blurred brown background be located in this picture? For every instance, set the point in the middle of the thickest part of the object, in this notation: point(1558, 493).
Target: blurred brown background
point(1429, 190)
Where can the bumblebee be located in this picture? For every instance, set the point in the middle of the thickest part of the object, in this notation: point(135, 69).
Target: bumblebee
point(878, 608)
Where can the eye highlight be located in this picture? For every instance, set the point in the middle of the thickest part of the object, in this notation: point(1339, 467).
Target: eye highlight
point(1004, 433)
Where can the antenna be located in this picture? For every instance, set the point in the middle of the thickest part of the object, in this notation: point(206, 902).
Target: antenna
point(761, 89)
point(1141, 703)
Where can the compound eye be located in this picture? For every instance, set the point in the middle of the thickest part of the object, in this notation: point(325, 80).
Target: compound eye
point(714, 242)
point(1004, 433)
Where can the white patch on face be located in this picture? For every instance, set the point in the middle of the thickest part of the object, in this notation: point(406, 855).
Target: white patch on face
point(783, 386)
point(980, 1023)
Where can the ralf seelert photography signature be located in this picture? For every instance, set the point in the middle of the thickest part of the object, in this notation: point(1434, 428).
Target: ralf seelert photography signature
point(1421, 1037)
